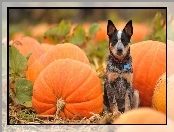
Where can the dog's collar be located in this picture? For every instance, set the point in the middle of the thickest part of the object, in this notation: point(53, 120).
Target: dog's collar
point(124, 61)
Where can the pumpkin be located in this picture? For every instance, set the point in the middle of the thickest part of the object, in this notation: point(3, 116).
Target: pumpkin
point(68, 88)
point(39, 29)
point(140, 32)
point(60, 51)
point(18, 35)
point(170, 58)
point(47, 46)
point(159, 95)
point(143, 115)
point(149, 63)
point(170, 97)
point(27, 45)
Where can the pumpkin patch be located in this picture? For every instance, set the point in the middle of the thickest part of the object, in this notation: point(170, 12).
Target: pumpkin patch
point(70, 87)
point(57, 68)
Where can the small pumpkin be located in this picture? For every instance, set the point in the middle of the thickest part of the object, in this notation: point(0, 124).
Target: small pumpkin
point(143, 115)
point(60, 51)
point(170, 58)
point(27, 45)
point(149, 63)
point(69, 88)
point(170, 97)
point(159, 95)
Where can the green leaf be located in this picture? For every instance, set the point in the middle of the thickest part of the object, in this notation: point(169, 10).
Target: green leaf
point(58, 34)
point(157, 30)
point(78, 36)
point(24, 90)
point(18, 62)
point(93, 29)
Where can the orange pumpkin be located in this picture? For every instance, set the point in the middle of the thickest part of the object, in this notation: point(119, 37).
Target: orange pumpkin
point(170, 58)
point(149, 63)
point(60, 51)
point(27, 45)
point(40, 29)
point(47, 46)
point(18, 35)
point(69, 88)
point(159, 95)
point(142, 115)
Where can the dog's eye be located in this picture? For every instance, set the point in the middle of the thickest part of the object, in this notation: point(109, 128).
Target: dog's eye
point(115, 40)
point(123, 40)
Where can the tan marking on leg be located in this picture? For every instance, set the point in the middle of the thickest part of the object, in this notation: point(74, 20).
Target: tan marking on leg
point(135, 99)
point(127, 102)
point(112, 76)
point(128, 77)
point(114, 107)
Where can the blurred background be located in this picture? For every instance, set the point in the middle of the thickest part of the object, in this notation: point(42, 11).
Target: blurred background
point(35, 16)
point(86, 28)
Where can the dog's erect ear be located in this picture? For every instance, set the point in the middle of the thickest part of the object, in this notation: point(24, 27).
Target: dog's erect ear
point(110, 28)
point(128, 29)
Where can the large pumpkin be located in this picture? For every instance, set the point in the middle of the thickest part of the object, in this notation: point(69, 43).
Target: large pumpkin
point(60, 51)
point(170, 58)
point(27, 45)
point(149, 63)
point(159, 95)
point(69, 88)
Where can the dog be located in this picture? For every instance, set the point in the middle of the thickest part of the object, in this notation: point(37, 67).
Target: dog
point(118, 92)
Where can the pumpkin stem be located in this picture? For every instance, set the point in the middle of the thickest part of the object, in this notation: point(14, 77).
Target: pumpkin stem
point(60, 106)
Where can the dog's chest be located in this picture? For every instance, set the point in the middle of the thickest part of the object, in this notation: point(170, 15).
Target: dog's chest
point(119, 72)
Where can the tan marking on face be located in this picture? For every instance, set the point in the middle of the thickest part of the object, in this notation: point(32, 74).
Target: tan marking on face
point(111, 47)
point(120, 57)
point(127, 76)
point(112, 76)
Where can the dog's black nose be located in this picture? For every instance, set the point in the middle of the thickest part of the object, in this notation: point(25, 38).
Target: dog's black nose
point(119, 50)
